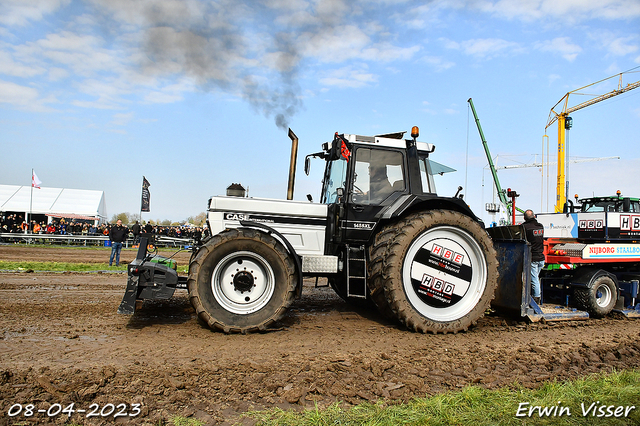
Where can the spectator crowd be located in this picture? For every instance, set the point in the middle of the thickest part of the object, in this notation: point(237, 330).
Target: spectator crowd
point(15, 223)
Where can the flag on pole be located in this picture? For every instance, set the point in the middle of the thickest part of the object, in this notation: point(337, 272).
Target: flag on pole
point(146, 196)
point(35, 182)
point(345, 151)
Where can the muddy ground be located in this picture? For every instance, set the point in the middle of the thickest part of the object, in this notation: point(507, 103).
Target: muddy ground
point(62, 342)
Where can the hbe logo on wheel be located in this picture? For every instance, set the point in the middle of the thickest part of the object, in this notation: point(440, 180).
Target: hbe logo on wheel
point(445, 253)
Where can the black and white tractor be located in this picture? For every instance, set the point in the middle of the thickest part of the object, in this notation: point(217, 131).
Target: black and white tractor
point(380, 233)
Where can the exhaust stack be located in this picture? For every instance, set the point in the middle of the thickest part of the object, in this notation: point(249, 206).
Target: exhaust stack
point(292, 164)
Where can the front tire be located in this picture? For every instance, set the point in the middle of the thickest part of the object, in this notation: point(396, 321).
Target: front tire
point(438, 271)
point(242, 280)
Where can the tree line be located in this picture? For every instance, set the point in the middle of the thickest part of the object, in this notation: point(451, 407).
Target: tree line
point(131, 218)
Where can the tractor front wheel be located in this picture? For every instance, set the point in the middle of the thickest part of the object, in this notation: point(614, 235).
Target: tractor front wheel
point(241, 280)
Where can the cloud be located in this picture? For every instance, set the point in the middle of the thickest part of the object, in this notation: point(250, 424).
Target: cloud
point(348, 77)
point(437, 62)
point(621, 46)
point(8, 66)
point(104, 93)
point(85, 55)
point(571, 11)
point(19, 13)
point(122, 119)
point(161, 97)
point(143, 51)
point(484, 48)
point(560, 45)
point(254, 50)
point(23, 97)
point(552, 78)
point(56, 74)
point(334, 45)
point(230, 46)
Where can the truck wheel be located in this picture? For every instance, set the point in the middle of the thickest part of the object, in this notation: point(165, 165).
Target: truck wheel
point(438, 271)
point(598, 300)
point(241, 280)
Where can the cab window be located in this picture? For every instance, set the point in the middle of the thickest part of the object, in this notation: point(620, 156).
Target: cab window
point(426, 176)
point(378, 174)
point(335, 177)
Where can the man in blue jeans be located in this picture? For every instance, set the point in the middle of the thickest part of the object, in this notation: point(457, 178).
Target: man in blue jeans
point(535, 236)
point(118, 235)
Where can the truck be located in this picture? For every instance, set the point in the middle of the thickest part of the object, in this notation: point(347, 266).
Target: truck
point(592, 255)
point(379, 234)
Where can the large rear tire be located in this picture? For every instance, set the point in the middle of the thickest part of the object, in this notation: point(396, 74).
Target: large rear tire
point(242, 280)
point(598, 300)
point(437, 270)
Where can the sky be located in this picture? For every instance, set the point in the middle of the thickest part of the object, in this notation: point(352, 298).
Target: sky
point(196, 95)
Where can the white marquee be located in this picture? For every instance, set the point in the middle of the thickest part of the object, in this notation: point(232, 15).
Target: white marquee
point(54, 202)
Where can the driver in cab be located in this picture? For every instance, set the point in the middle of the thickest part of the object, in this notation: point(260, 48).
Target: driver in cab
point(381, 188)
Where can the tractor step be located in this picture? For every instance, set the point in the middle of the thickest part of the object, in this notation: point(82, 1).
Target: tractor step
point(356, 272)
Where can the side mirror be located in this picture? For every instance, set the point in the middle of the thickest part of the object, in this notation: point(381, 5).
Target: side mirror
point(568, 207)
point(626, 204)
point(307, 165)
point(307, 160)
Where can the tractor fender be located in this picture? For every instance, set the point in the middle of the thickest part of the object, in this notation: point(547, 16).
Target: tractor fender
point(287, 244)
point(411, 203)
point(585, 277)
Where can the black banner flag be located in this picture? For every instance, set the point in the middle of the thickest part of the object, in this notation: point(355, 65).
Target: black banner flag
point(145, 195)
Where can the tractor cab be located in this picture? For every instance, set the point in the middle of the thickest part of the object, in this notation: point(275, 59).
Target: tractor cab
point(367, 177)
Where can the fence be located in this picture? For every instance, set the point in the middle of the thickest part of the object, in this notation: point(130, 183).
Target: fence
point(84, 240)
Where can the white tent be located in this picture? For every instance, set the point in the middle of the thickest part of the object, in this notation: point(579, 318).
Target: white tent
point(54, 202)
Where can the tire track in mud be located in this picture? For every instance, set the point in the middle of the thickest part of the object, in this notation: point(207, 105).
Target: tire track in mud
point(62, 341)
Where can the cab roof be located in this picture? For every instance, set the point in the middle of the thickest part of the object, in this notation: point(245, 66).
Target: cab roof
point(391, 140)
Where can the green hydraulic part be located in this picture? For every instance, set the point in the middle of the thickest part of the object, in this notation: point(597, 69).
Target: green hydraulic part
point(501, 192)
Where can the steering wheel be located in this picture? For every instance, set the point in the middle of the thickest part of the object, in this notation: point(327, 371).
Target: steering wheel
point(358, 194)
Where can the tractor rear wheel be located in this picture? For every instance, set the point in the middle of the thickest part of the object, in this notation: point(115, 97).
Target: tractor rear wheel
point(437, 270)
point(242, 280)
point(598, 300)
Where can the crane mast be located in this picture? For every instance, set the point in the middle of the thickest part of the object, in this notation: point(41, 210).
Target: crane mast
point(564, 123)
point(501, 193)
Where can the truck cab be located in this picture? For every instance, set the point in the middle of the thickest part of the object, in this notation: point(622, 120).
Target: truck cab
point(610, 204)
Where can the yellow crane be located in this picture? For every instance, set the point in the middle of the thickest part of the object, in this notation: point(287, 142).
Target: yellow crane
point(564, 123)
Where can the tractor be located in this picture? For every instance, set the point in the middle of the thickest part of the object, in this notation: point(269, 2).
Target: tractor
point(380, 234)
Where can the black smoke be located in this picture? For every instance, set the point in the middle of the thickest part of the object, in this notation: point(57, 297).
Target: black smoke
point(220, 49)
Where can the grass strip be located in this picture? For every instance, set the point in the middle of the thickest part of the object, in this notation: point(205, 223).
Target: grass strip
point(68, 267)
point(58, 267)
point(185, 421)
point(90, 247)
point(591, 400)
